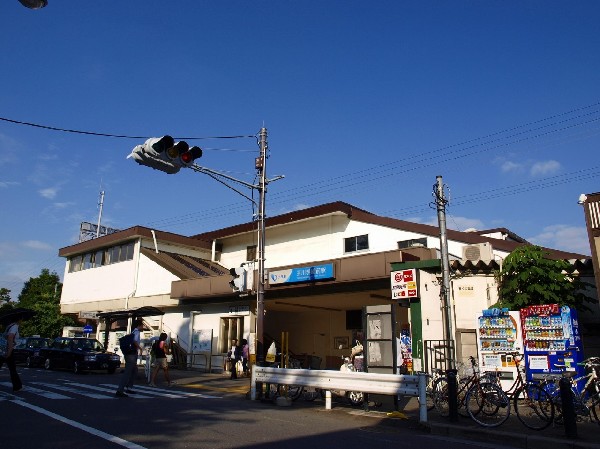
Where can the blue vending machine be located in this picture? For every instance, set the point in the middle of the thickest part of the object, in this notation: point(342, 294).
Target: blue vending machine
point(551, 340)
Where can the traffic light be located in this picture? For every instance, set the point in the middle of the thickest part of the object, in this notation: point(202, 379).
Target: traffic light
point(164, 154)
point(188, 158)
point(151, 154)
point(238, 281)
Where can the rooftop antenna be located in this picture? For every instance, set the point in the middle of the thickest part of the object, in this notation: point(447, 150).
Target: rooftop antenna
point(100, 205)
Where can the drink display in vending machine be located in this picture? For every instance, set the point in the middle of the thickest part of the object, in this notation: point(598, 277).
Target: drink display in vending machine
point(498, 337)
point(552, 341)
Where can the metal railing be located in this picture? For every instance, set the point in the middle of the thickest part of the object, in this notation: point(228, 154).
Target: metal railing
point(387, 384)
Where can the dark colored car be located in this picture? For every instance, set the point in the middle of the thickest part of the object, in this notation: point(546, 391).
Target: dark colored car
point(28, 351)
point(79, 355)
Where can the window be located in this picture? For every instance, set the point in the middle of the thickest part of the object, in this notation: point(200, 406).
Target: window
point(357, 243)
point(251, 253)
point(99, 258)
point(75, 264)
point(412, 243)
point(104, 256)
point(114, 256)
point(231, 327)
point(87, 261)
point(128, 250)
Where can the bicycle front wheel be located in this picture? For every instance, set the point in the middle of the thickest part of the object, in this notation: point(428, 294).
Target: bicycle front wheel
point(432, 389)
point(533, 406)
point(440, 397)
point(487, 404)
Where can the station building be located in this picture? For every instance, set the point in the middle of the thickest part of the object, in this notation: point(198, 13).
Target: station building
point(323, 265)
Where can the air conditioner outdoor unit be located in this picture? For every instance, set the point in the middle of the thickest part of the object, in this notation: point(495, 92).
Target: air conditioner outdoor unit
point(475, 253)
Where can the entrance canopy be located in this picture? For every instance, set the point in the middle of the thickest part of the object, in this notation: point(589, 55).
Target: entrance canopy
point(131, 313)
point(111, 317)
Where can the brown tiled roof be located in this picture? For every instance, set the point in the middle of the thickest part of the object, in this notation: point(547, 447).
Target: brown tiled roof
point(130, 234)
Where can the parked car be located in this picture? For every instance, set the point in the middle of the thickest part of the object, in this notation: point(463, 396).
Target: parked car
point(79, 355)
point(28, 351)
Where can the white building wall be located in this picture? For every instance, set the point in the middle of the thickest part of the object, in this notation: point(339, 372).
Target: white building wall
point(96, 284)
point(153, 279)
point(319, 239)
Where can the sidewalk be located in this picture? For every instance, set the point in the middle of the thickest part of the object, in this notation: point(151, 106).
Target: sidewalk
point(512, 433)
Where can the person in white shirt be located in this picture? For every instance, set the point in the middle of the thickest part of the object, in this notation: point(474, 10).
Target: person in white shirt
point(12, 335)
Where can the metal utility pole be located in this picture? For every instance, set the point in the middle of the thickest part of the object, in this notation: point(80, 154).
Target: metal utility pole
point(261, 163)
point(440, 202)
point(100, 204)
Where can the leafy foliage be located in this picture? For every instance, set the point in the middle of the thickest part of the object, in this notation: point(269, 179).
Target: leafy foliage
point(42, 294)
point(4, 296)
point(529, 277)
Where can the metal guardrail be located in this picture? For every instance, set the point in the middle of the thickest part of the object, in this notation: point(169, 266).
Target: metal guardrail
point(387, 384)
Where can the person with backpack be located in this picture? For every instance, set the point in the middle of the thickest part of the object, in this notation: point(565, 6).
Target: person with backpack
point(131, 354)
point(160, 351)
point(12, 335)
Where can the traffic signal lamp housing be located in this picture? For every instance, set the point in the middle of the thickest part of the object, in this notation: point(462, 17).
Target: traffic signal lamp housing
point(238, 280)
point(164, 154)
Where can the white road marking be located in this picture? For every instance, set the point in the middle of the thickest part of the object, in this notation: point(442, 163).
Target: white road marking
point(75, 390)
point(44, 393)
point(88, 429)
point(169, 393)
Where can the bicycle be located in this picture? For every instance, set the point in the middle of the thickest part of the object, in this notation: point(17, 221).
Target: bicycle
point(586, 399)
point(532, 403)
point(486, 403)
point(435, 381)
point(440, 390)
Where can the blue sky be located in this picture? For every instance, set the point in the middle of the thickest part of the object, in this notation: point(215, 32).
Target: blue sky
point(364, 102)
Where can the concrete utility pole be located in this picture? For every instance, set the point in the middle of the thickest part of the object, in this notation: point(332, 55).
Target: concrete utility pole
point(440, 202)
point(261, 163)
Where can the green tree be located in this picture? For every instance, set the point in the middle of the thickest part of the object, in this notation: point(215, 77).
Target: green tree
point(529, 277)
point(4, 296)
point(42, 294)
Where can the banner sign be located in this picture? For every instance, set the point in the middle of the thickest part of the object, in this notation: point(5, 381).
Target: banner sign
point(302, 274)
point(404, 284)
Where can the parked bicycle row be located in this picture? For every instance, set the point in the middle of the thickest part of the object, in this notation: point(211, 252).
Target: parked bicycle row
point(537, 403)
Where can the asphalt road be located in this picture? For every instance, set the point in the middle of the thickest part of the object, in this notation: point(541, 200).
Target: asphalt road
point(60, 409)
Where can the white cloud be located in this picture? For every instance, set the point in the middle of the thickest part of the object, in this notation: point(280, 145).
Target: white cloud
point(49, 192)
point(509, 166)
point(566, 238)
point(36, 244)
point(5, 184)
point(544, 168)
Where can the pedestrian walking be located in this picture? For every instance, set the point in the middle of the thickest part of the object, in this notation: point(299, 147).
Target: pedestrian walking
point(234, 355)
point(160, 350)
point(131, 354)
point(245, 355)
point(12, 335)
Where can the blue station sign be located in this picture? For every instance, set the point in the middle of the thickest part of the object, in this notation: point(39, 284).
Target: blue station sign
point(302, 274)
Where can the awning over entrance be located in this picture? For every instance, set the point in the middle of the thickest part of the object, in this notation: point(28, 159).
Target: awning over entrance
point(131, 313)
point(111, 317)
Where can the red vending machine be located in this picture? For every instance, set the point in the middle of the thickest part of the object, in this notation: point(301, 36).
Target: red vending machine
point(552, 340)
point(498, 336)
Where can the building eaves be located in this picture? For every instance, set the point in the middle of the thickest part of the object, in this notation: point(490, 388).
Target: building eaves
point(129, 234)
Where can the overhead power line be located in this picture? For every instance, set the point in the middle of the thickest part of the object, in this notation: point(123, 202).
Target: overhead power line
point(120, 136)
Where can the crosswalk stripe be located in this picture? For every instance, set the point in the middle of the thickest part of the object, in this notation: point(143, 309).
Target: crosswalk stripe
point(168, 393)
point(103, 391)
point(44, 393)
point(74, 390)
